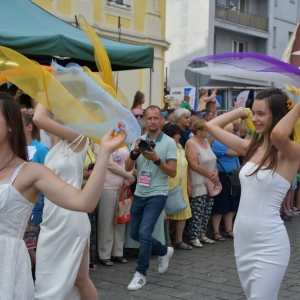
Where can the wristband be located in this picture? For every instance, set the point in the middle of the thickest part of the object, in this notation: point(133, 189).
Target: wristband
point(157, 162)
point(133, 156)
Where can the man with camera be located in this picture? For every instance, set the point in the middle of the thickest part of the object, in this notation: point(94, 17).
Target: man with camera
point(154, 155)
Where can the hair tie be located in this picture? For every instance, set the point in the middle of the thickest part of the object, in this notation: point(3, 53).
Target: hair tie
point(290, 104)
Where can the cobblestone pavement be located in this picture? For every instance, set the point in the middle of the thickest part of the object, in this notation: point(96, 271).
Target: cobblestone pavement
point(205, 273)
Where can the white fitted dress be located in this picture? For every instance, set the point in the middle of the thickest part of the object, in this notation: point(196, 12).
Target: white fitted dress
point(64, 233)
point(15, 267)
point(261, 243)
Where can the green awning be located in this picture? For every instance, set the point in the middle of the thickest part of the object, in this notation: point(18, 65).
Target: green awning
point(37, 34)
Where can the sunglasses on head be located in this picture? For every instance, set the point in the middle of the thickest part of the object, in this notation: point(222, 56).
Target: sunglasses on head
point(141, 116)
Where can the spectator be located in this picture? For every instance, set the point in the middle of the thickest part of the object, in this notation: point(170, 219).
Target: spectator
point(154, 167)
point(37, 153)
point(201, 201)
point(110, 235)
point(204, 98)
point(90, 160)
point(211, 106)
point(225, 204)
point(185, 103)
point(180, 218)
point(182, 117)
point(15, 92)
point(139, 100)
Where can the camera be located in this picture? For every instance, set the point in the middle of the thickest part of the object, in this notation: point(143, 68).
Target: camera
point(145, 145)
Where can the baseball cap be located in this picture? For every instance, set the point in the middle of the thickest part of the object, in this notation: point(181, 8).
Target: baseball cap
point(202, 113)
point(164, 114)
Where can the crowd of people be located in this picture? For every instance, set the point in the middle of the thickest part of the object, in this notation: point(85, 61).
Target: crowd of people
point(70, 202)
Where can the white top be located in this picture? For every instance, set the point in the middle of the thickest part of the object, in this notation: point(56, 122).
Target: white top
point(64, 233)
point(15, 272)
point(208, 160)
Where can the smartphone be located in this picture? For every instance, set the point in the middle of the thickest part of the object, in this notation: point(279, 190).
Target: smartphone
point(91, 166)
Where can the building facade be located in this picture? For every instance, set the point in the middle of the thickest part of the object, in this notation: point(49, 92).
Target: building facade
point(139, 22)
point(197, 28)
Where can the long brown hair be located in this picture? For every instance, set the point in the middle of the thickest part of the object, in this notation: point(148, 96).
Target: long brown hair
point(27, 119)
point(276, 102)
point(138, 97)
point(11, 111)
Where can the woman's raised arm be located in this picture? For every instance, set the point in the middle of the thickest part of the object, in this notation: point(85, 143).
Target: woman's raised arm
point(69, 197)
point(42, 119)
point(280, 135)
point(216, 125)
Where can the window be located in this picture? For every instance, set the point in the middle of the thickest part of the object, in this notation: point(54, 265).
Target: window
point(276, 2)
point(119, 3)
point(290, 34)
point(238, 46)
point(274, 37)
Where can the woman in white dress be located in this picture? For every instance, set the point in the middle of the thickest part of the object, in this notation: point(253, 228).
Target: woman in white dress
point(271, 160)
point(20, 185)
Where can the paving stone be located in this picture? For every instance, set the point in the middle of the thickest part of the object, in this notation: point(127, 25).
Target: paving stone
point(208, 273)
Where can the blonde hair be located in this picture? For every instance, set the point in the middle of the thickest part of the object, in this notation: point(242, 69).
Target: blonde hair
point(228, 127)
point(198, 125)
point(236, 122)
point(202, 92)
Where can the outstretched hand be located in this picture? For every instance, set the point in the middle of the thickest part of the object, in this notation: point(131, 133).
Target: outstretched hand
point(111, 141)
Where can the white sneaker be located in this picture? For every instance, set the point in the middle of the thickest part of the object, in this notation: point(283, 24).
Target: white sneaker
point(137, 282)
point(164, 261)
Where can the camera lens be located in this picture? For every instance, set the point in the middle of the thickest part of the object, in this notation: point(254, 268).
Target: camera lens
point(144, 145)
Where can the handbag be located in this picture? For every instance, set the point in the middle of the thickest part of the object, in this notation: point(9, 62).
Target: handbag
point(175, 201)
point(233, 181)
point(122, 214)
point(213, 189)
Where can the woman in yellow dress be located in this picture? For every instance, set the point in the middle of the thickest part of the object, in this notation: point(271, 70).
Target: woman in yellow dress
point(180, 218)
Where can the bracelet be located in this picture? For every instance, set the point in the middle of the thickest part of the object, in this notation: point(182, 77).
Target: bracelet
point(133, 156)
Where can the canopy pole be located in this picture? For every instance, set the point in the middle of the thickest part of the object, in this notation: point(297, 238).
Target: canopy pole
point(119, 27)
point(150, 89)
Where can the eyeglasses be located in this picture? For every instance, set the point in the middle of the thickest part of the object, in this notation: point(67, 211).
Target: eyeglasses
point(139, 116)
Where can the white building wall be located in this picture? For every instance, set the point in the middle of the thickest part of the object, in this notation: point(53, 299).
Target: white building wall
point(193, 31)
point(188, 31)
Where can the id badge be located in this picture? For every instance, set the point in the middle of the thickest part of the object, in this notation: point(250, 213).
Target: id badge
point(145, 178)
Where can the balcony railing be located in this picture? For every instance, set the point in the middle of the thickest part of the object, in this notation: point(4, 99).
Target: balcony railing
point(246, 19)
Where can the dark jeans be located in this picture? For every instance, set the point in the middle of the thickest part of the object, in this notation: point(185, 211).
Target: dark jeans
point(145, 212)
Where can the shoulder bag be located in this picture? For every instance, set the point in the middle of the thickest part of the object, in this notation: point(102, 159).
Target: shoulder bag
point(233, 180)
point(122, 215)
point(175, 201)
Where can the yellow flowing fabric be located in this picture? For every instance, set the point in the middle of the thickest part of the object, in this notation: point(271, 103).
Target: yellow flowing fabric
point(101, 57)
point(71, 95)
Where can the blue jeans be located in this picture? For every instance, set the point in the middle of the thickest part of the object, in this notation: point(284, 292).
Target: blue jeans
point(145, 212)
point(37, 212)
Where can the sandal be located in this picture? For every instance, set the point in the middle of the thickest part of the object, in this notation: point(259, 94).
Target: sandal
point(119, 259)
point(93, 266)
point(220, 239)
point(227, 233)
point(183, 246)
point(196, 243)
point(106, 262)
point(206, 240)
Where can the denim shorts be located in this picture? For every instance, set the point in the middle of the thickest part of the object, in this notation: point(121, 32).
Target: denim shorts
point(294, 184)
point(37, 212)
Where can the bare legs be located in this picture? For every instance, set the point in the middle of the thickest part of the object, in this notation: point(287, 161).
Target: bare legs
point(83, 282)
point(216, 221)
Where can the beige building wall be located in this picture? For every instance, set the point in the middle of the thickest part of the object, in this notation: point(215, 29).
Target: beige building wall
point(143, 22)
